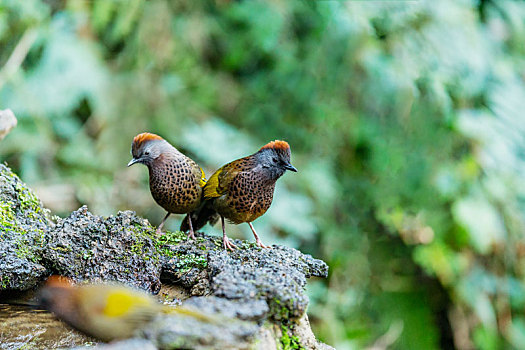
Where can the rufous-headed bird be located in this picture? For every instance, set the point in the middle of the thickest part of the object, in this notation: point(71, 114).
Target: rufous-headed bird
point(176, 182)
point(106, 311)
point(242, 190)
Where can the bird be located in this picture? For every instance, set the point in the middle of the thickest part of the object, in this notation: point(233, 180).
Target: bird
point(242, 190)
point(106, 311)
point(176, 182)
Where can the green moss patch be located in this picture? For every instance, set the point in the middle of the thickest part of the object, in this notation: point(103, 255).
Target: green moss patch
point(288, 340)
point(23, 228)
point(183, 260)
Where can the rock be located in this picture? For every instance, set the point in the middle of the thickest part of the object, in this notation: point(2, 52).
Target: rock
point(266, 339)
point(172, 332)
point(23, 228)
point(7, 122)
point(306, 337)
point(119, 248)
point(277, 275)
point(258, 294)
point(128, 344)
point(295, 335)
point(249, 309)
point(185, 261)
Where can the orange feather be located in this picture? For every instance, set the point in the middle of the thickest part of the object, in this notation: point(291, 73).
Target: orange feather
point(145, 136)
point(59, 281)
point(277, 144)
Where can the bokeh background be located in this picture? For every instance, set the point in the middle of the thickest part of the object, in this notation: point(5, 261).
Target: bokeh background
point(406, 121)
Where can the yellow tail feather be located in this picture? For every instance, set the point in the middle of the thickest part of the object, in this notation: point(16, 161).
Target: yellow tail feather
point(180, 310)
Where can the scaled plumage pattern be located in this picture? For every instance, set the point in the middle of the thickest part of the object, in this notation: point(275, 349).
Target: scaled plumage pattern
point(242, 190)
point(176, 182)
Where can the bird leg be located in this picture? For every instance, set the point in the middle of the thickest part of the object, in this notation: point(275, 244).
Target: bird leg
point(191, 235)
point(226, 242)
point(159, 229)
point(257, 239)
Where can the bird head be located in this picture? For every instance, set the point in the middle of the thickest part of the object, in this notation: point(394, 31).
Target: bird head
point(275, 156)
point(57, 295)
point(146, 147)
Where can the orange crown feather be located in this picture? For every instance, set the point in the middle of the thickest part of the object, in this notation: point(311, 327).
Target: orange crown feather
point(144, 137)
point(59, 281)
point(277, 145)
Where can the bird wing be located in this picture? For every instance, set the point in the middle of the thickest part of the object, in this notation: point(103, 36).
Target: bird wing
point(202, 182)
point(120, 301)
point(197, 172)
point(219, 182)
point(215, 187)
point(109, 311)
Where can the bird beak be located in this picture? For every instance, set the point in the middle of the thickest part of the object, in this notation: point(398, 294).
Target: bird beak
point(133, 161)
point(290, 167)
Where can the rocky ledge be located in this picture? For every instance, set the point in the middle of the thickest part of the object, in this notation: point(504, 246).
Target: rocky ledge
point(262, 291)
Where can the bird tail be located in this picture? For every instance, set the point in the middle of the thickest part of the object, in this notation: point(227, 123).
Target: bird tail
point(185, 311)
point(200, 217)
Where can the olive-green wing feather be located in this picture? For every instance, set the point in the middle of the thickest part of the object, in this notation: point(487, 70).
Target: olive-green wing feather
point(197, 171)
point(220, 181)
point(211, 188)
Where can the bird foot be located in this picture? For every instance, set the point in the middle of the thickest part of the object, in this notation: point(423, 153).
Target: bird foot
point(260, 244)
point(228, 245)
point(191, 235)
point(159, 232)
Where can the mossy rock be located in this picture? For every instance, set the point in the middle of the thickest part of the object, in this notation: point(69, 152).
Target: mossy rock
point(24, 225)
point(119, 248)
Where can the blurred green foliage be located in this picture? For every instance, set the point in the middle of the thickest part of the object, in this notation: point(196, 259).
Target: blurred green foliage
point(405, 119)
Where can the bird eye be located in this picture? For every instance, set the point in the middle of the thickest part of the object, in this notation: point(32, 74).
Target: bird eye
point(274, 159)
point(146, 153)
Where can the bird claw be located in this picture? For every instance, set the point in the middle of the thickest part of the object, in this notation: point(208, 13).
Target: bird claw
point(260, 244)
point(191, 235)
point(159, 232)
point(228, 245)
